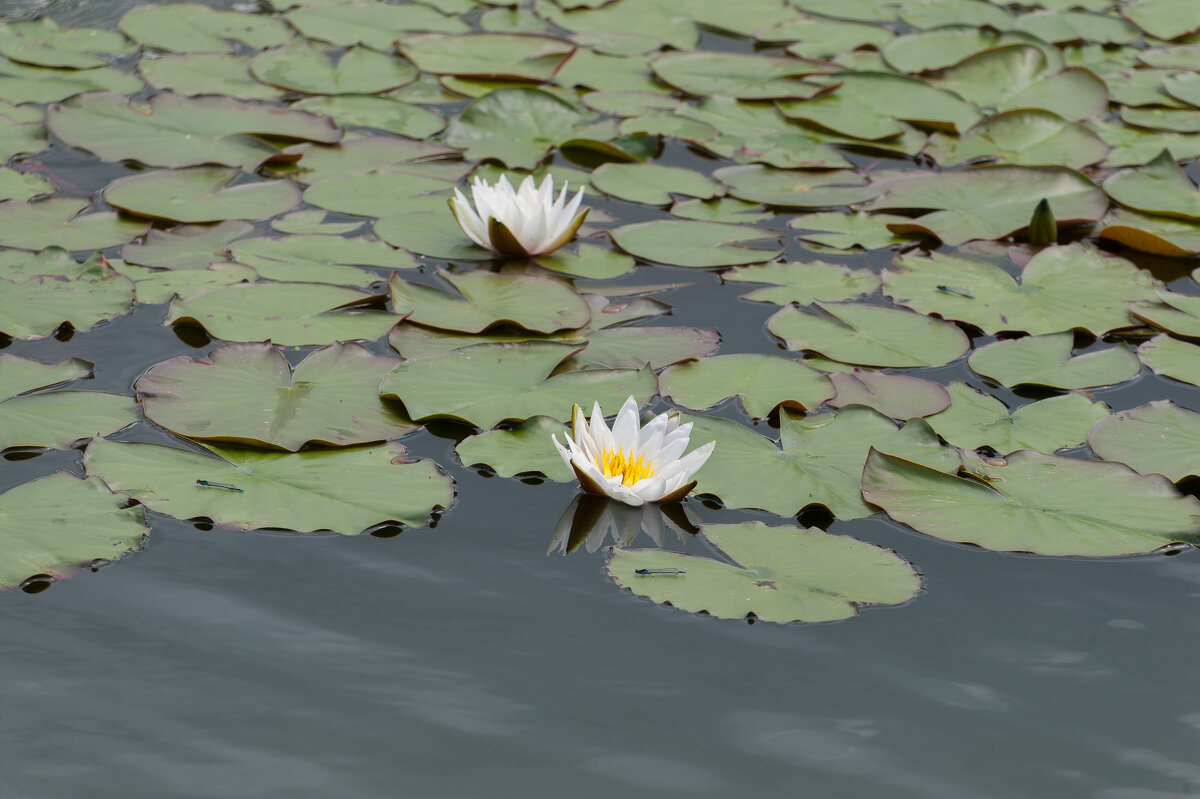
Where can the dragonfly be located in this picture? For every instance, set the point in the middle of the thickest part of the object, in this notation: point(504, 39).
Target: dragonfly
point(226, 486)
point(658, 572)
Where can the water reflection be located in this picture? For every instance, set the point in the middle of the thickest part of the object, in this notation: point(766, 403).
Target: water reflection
point(590, 520)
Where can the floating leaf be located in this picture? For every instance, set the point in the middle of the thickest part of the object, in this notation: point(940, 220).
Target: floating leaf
point(1159, 187)
point(844, 231)
point(205, 73)
point(525, 448)
point(41, 292)
point(369, 158)
point(312, 221)
point(1060, 27)
point(543, 305)
point(1159, 235)
point(152, 286)
point(929, 50)
point(195, 28)
point(1156, 438)
point(819, 463)
point(897, 396)
point(357, 71)
point(1029, 137)
point(16, 185)
point(20, 138)
point(1047, 361)
point(383, 193)
point(190, 247)
point(372, 24)
point(778, 574)
point(292, 314)
point(658, 18)
point(976, 420)
point(822, 38)
point(490, 383)
point(761, 382)
point(200, 194)
point(59, 222)
point(175, 131)
point(1182, 120)
point(723, 209)
point(1163, 19)
point(870, 335)
point(514, 126)
point(370, 111)
point(57, 523)
point(989, 202)
point(925, 14)
point(757, 133)
point(1178, 313)
point(589, 261)
point(793, 188)
point(652, 184)
point(1033, 502)
point(41, 42)
point(25, 84)
point(55, 419)
point(1071, 286)
point(343, 490)
point(319, 258)
point(1020, 76)
point(1172, 358)
point(803, 283)
point(430, 232)
point(741, 75)
point(698, 244)
point(488, 55)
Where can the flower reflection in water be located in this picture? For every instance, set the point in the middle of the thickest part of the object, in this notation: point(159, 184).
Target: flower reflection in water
point(590, 520)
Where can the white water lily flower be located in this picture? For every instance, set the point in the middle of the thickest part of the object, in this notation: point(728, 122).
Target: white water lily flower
point(632, 463)
point(528, 221)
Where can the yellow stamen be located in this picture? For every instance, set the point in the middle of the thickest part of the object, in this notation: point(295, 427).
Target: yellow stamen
point(616, 462)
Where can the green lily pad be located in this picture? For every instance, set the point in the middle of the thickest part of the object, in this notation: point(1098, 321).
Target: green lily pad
point(1028, 137)
point(1140, 86)
point(588, 261)
point(291, 314)
point(55, 419)
point(761, 382)
point(723, 209)
point(757, 133)
point(1177, 313)
point(1159, 235)
point(926, 14)
point(42, 43)
point(200, 194)
point(153, 286)
point(489, 383)
point(312, 221)
point(206, 73)
point(897, 396)
point(306, 69)
point(808, 37)
point(383, 193)
point(20, 83)
point(869, 335)
point(630, 104)
point(658, 18)
point(793, 188)
point(1179, 120)
point(1159, 187)
point(543, 305)
point(19, 138)
point(989, 202)
point(819, 463)
point(319, 258)
point(525, 448)
point(432, 232)
point(415, 167)
point(938, 48)
point(859, 10)
point(634, 347)
point(343, 490)
point(1182, 86)
point(844, 231)
point(1033, 502)
point(777, 574)
point(376, 25)
point(1172, 358)
point(1163, 19)
point(58, 523)
point(1061, 288)
point(175, 131)
point(16, 185)
point(248, 394)
point(515, 126)
point(1060, 27)
point(977, 420)
point(803, 283)
point(487, 55)
point(39, 293)
point(740, 75)
point(196, 28)
point(59, 222)
point(652, 184)
point(697, 244)
point(1020, 76)
point(1047, 361)
point(609, 73)
point(1156, 438)
point(368, 111)
point(868, 105)
point(188, 247)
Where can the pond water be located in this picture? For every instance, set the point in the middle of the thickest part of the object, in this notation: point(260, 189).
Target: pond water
point(464, 660)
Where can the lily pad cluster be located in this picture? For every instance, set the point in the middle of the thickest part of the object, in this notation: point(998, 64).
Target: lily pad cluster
point(961, 224)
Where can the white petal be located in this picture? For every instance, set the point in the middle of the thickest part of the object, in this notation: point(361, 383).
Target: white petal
point(690, 464)
point(651, 489)
point(625, 428)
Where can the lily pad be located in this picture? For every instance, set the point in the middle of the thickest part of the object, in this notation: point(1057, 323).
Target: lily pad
point(307, 69)
point(652, 184)
point(1047, 361)
point(1156, 438)
point(525, 448)
point(803, 283)
point(43, 43)
point(1178, 313)
point(1061, 288)
point(20, 83)
point(189, 247)
point(819, 463)
point(376, 25)
point(20, 138)
point(740, 75)
point(39, 293)
point(206, 73)
point(1163, 19)
point(196, 28)
point(697, 244)
point(1159, 187)
point(1159, 235)
point(543, 305)
point(929, 50)
point(757, 133)
point(152, 286)
point(977, 420)
point(248, 394)
point(989, 202)
point(1028, 137)
point(313, 221)
point(845, 231)
point(1020, 76)
point(369, 111)
point(898, 396)
point(319, 258)
point(292, 314)
point(1180, 120)
point(60, 222)
point(382, 193)
point(588, 261)
point(1172, 358)
point(793, 188)
point(777, 574)
point(515, 126)
point(722, 209)
point(16, 185)
point(343, 490)
point(925, 14)
point(431, 232)
point(175, 131)
point(200, 194)
point(416, 166)
point(58, 523)
point(488, 55)
point(1060, 27)
point(1038, 503)
point(869, 335)
point(658, 18)
point(55, 419)
point(489, 383)
point(808, 37)
point(761, 382)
